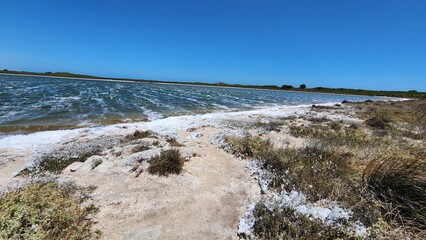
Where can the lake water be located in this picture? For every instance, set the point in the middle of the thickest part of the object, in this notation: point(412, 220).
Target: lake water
point(41, 103)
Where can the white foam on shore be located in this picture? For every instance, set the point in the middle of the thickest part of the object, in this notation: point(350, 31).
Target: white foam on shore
point(166, 126)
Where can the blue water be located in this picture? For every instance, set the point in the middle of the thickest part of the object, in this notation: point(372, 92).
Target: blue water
point(26, 102)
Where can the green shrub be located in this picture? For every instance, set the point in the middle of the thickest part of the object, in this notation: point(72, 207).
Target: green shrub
point(45, 211)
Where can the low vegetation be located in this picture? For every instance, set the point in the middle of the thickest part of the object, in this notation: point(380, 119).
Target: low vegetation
point(138, 135)
point(168, 162)
point(399, 179)
point(286, 224)
point(60, 157)
point(46, 210)
point(335, 135)
point(141, 147)
point(174, 143)
point(56, 160)
point(379, 177)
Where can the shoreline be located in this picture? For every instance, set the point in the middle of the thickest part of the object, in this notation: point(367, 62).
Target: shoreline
point(263, 110)
point(223, 175)
point(8, 140)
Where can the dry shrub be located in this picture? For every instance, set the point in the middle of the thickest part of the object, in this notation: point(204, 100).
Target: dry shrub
point(317, 170)
point(408, 118)
point(378, 122)
point(285, 224)
point(138, 135)
point(57, 160)
point(320, 170)
point(248, 147)
point(168, 162)
point(174, 143)
point(347, 137)
point(270, 125)
point(140, 147)
point(335, 125)
point(45, 211)
point(399, 180)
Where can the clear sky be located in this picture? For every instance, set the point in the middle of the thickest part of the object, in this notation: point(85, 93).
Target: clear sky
point(371, 44)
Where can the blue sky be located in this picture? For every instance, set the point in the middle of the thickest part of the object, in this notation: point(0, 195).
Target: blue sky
point(378, 44)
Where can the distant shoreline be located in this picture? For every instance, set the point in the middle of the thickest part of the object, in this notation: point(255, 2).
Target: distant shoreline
point(184, 84)
point(320, 90)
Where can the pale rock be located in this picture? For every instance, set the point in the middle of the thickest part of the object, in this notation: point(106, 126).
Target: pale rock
point(73, 167)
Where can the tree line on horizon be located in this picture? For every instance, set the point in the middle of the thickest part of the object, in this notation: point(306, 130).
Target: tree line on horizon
point(401, 94)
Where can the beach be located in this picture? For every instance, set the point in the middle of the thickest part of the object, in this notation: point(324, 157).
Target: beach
point(232, 167)
point(211, 195)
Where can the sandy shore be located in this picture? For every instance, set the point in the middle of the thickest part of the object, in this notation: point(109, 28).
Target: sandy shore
point(206, 201)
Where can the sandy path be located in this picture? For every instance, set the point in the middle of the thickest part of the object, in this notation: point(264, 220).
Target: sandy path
point(203, 202)
point(11, 161)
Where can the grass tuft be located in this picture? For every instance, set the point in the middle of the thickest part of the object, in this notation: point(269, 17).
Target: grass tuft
point(174, 143)
point(138, 135)
point(140, 147)
point(399, 179)
point(378, 122)
point(248, 147)
point(338, 137)
point(168, 162)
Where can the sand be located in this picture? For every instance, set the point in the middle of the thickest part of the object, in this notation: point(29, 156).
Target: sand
point(205, 201)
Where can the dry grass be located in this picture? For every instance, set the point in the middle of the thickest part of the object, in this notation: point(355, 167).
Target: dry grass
point(397, 119)
point(140, 147)
point(285, 224)
point(168, 162)
point(398, 179)
point(56, 161)
point(138, 135)
point(382, 180)
point(46, 211)
point(338, 137)
point(174, 143)
point(320, 170)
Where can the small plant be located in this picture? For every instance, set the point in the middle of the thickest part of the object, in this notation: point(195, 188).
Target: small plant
point(336, 125)
point(378, 122)
point(140, 147)
point(57, 161)
point(270, 126)
point(168, 162)
point(45, 211)
point(174, 143)
point(138, 135)
point(248, 147)
point(96, 163)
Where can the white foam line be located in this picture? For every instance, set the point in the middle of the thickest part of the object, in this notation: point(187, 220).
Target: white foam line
point(166, 126)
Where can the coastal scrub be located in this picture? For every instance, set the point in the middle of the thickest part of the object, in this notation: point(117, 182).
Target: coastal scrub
point(46, 211)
